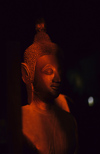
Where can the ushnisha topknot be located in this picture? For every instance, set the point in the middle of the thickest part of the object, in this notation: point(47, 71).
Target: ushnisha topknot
point(42, 45)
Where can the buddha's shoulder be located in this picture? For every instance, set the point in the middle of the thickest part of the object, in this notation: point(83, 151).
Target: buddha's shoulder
point(25, 108)
point(28, 112)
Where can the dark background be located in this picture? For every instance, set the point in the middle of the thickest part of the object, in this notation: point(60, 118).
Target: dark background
point(74, 25)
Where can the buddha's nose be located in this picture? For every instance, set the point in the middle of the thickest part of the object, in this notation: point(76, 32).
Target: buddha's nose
point(57, 77)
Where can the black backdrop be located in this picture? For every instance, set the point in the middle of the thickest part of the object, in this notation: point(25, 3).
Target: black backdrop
point(74, 25)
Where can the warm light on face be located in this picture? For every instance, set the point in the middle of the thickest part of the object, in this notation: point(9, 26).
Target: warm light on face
point(47, 77)
point(90, 101)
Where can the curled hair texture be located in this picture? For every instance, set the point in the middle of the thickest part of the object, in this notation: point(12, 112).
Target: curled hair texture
point(42, 45)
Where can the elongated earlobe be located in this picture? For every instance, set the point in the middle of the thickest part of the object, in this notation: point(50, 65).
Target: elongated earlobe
point(25, 73)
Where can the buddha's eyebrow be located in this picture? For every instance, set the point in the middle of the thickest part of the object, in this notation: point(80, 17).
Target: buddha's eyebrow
point(46, 66)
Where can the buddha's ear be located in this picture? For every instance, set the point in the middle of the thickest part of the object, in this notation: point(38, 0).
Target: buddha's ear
point(25, 73)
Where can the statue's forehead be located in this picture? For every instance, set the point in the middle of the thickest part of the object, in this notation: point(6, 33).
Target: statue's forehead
point(47, 59)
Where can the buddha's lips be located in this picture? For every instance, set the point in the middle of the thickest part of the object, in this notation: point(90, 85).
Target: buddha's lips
point(55, 86)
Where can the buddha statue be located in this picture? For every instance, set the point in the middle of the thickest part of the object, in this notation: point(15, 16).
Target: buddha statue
point(48, 127)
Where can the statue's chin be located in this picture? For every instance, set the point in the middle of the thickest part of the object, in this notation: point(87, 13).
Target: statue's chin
point(55, 93)
point(52, 96)
point(46, 95)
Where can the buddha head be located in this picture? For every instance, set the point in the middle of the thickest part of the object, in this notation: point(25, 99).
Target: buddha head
point(41, 69)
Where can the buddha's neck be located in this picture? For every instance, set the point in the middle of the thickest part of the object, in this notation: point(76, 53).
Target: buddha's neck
point(41, 104)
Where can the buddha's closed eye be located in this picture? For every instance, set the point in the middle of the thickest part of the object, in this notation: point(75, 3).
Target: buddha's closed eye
point(48, 71)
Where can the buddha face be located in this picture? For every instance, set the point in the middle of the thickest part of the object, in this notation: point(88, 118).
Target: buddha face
point(47, 78)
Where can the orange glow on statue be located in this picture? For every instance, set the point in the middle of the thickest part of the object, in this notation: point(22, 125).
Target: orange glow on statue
point(47, 125)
